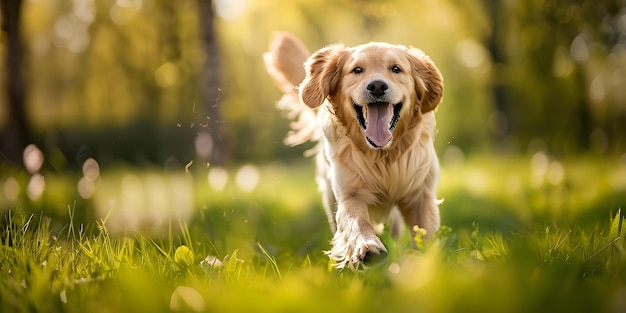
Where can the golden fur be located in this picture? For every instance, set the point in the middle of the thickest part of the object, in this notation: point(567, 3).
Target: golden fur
point(371, 108)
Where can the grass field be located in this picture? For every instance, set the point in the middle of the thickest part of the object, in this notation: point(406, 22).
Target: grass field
point(520, 235)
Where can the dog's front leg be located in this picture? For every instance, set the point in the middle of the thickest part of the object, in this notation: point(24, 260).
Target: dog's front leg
point(355, 241)
point(422, 209)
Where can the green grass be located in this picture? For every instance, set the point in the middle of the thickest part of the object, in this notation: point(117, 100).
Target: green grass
point(515, 240)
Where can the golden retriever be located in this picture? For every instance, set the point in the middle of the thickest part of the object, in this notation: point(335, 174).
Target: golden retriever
point(371, 108)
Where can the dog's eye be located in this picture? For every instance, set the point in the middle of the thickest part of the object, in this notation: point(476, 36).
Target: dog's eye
point(357, 70)
point(396, 69)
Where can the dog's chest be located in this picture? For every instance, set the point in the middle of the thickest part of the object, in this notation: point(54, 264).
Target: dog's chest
point(390, 181)
point(378, 177)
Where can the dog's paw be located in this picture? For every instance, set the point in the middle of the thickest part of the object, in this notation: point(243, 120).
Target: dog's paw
point(356, 250)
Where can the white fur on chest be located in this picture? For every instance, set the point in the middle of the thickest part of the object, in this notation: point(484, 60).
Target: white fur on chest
point(369, 175)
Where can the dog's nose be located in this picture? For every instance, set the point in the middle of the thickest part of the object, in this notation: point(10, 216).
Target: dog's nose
point(377, 87)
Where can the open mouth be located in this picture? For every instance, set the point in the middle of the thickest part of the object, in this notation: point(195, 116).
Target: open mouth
point(378, 122)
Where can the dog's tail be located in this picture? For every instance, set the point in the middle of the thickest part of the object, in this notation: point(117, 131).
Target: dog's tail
point(285, 63)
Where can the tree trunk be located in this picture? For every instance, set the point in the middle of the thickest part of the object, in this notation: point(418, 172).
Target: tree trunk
point(15, 132)
point(494, 45)
point(210, 92)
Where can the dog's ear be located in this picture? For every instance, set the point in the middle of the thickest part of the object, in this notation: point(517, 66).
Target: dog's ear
point(322, 75)
point(428, 80)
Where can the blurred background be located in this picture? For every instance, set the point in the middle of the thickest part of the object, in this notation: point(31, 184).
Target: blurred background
point(109, 108)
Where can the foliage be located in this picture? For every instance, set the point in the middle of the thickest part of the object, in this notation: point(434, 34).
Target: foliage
point(120, 79)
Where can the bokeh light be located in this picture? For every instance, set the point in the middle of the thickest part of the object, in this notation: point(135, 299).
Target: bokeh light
point(230, 9)
point(247, 178)
point(148, 202)
point(11, 189)
point(33, 158)
point(166, 75)
point(453, 156)
point(36, 186)
point(186, 298)
point(123, 11)
point(91, 169)
point(471, 53)
point(86, 187)
point(204, 145)
point(217, 178)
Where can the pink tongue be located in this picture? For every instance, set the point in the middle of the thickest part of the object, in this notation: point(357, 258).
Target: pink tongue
point(378, 122)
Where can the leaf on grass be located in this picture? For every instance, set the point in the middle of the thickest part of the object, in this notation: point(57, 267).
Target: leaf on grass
point(271, 259)
point(616, 224)
point(211, 261)
point(232, 262)
point(495, 248)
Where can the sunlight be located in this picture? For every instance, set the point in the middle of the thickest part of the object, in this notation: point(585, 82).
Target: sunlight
point(11, 189)
point(186, 298)
point(248, 178)
point(512, 184)
point(230, 9)
point(132, 202)
point(180, 191)
point(85, 187)
point(166, 75)
point(36, 186)
point(413, 271)
point(84, 10)
point(217, 178)
point(539, 165)
point(471, 53)
point(618, 177)
point(204, 145)
point(158, 199)
point(91, 169)
point(597, 90)
point(124, 11)
point(72, 33)
point(33, 158)
point(477, 182)
point(579, 48)
point(555, 173)
point(144, 202)
point(453, 156)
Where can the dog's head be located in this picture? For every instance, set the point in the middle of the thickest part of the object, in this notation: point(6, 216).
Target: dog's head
point(376, 86)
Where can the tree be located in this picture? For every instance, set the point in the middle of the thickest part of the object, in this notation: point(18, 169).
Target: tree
point(15, 132)
point(546, 54)
point(210, 92)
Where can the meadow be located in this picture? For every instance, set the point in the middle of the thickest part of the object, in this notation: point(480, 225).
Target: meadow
point(106, 102)
point(528, 234)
